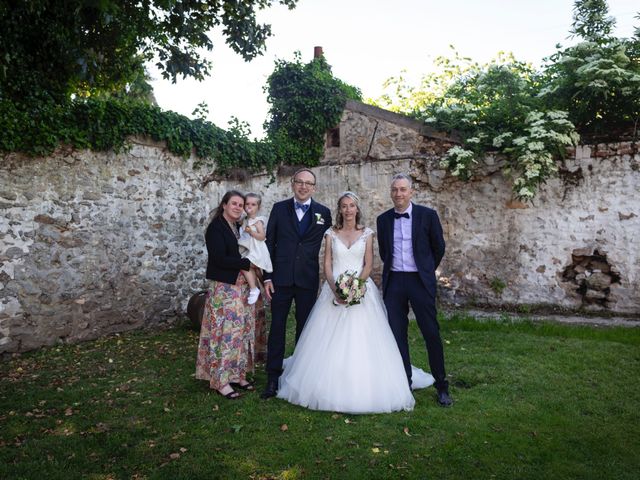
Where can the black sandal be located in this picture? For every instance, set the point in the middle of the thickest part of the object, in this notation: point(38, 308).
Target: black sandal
point(249, 387)
point(232, 395)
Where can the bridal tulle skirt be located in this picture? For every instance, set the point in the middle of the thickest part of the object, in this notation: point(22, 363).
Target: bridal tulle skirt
point(347, 360)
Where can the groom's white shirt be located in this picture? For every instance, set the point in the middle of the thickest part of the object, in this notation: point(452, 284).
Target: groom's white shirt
point(403, 260)
point(299, 212)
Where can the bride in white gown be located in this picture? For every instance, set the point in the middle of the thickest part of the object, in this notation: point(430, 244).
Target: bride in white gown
point(346, 359)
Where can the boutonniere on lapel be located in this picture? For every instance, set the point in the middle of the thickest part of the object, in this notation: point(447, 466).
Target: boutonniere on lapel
point(319, 219)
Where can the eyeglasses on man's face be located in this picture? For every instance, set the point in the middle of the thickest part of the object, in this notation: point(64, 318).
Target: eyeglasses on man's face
point(301, 183)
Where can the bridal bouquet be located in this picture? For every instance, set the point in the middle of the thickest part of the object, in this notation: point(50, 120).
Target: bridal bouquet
point(350, 288)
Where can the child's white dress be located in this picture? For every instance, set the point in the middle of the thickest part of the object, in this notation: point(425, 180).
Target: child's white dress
point(255, 250)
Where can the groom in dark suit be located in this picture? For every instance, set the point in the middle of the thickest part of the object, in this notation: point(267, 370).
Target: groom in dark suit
point(295, 231)
point(411, 246)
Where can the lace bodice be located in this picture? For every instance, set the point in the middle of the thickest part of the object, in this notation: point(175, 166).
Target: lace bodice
point(348, 257)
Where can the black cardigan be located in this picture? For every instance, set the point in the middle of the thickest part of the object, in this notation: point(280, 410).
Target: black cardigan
point(224, 261)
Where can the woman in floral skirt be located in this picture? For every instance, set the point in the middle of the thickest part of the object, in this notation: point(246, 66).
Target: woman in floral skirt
point(225, 350)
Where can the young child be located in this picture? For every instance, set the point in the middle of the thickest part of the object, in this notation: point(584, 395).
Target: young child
point(252, 239)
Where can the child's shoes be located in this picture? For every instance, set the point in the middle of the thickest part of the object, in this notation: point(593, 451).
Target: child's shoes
point(254, 293)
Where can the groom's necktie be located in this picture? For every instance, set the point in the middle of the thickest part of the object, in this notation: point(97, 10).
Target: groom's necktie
point(302, 206)
point(400, 215)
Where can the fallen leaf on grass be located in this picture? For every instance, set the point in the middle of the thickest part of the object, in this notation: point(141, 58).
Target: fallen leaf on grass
point(375, 450)
point(174, 456)
point(101, 427)
point(284, 427)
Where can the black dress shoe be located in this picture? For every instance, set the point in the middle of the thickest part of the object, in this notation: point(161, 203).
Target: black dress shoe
point(271, 390)
point(444, 400)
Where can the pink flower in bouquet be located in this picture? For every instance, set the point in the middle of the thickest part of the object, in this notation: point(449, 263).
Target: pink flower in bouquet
point(350, 288)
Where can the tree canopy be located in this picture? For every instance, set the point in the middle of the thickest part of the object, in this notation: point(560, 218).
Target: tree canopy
point(57, 48)
point(591, 21)
point(597, 80)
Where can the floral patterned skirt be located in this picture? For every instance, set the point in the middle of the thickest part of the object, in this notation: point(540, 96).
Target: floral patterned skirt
point(227, 334)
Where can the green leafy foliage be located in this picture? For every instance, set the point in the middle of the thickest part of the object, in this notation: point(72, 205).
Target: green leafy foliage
point(306, 100)
point(83, 47)
point(105, 123)
point(591, 21)
point(75, 76)
point(497, 285)
point(495, 108)
point(531, 117)
point(598, 80)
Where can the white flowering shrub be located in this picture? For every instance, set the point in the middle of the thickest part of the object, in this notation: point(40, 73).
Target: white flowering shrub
point(598, 83)
point(459, 162)
point(527, 116)
point(495, 108)
point(546, 136)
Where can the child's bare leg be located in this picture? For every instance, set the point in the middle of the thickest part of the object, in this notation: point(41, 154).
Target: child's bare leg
point(250, 277)
point(258, 273)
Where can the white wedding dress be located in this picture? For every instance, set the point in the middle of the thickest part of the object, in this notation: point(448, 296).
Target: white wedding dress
point(346, 359)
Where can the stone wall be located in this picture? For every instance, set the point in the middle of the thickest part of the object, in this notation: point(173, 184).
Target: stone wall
point(94, 243)
point(577, 245)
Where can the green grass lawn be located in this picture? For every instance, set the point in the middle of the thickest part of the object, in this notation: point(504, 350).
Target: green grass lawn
point(532, 401)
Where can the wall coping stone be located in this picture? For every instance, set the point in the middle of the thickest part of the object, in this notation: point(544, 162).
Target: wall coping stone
point(401, 120)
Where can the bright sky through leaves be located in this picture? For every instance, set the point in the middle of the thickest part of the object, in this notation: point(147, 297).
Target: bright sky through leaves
point(368, 41)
